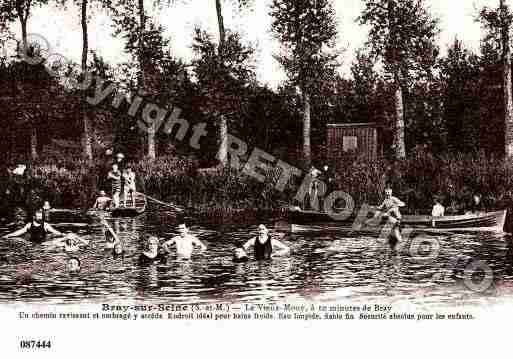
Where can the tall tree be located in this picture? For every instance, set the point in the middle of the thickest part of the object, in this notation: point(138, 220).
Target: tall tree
point(498, 23)
point(402, 35)
point(140, 33)
point(21, 10)
point(307, 31)
point(224, 72)
point(460, 98)
point(223, 123)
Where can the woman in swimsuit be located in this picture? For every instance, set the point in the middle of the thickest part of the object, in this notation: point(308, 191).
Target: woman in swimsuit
point(263, 245)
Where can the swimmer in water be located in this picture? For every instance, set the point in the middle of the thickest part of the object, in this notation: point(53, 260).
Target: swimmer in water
point(118, 249)
point(37, 228)
point(264, 246)
point(239, 254)
point(71, 242)
point(151, 255)
point(74, 265)
point(184, 242)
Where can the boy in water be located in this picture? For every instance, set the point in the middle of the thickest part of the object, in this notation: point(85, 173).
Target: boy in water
point(438, 209)
point(128, 186)
point(102, 202)
point(184, 242)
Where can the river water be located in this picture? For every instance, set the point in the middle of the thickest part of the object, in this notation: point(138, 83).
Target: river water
point(431, 269)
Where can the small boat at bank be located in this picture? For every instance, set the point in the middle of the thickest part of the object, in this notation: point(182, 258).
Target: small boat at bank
point(128, 211)
point(317, 221)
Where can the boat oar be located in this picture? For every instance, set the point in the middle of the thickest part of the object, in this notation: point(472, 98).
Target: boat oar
point(169, 205)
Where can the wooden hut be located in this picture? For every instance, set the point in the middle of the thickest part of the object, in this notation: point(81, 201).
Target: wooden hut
point(349, 140)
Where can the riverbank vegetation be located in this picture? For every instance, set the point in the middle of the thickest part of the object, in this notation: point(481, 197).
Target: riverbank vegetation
point(416, 180)
point(444, 114)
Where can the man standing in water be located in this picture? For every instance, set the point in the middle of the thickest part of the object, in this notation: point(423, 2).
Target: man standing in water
point(184, 242)
point(263, 245)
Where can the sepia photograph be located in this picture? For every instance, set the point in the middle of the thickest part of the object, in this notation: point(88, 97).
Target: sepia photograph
point(256, 164)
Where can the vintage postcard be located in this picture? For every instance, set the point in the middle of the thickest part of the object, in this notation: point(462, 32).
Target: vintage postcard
point(239, 177)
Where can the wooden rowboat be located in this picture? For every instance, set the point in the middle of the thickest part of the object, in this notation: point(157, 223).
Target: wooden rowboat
point(129, 211)
point(486, 221)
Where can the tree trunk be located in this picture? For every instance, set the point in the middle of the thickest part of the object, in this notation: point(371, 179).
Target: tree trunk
point(86, 141)
point(307, 150)
point(220, 23)
point(508, 102)
point(151, 150)
point(223, 123)
point(33, 142)
point(399, 147)
point(23, 23)
point(223, 146)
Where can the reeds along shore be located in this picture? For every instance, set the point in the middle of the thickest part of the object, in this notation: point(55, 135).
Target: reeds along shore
point(416, 180)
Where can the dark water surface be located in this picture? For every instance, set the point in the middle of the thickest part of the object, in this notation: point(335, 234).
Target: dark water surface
point(428, 269)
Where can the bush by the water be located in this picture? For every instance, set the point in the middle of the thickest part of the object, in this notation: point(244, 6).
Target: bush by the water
point(416, 180)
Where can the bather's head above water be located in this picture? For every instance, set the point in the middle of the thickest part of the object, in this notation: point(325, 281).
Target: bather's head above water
point(74, 265)
point(38, 216)
point(262, 231)
point(118, 249)
point(182, 229)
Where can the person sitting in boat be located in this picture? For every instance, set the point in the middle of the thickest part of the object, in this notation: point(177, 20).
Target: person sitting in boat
point(437, 211)
point(184, 242)
point(115, 178)
point(239, 254)
point(37, 228)
point(476, 205)
point(128, 186)
point(152, 254)
point(102, 202)
point(264, 245)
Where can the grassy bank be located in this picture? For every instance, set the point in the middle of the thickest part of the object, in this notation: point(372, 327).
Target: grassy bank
point(415, 180)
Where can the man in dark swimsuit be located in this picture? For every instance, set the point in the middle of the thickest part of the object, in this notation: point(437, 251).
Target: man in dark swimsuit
point(263, 245)
point(115, 177)
point(37, 229)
